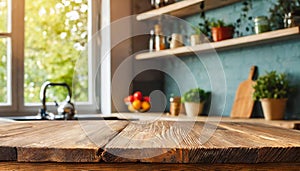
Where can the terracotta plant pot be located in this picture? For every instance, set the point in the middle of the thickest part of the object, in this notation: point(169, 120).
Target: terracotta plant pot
point(222, 33)
point(273, 108)
point(193, 109)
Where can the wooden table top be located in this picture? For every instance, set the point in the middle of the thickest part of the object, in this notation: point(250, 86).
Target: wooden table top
point(148, 141)
point(292, 124)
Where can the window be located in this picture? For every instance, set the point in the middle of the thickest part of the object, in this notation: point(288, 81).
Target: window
point(55, 37)
point(4, 70)
point(42, 41)
point(5, 53)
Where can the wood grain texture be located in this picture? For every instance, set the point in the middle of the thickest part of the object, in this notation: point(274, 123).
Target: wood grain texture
point(8, 154)
point(246, 41)
point(167, 9)
point(69, 141)
point(184, 8)
point(243, 102)
point(142, 141)
point(275, 144)
point(173, 142)
point(149, 142)
point(291, 124)
point(5, 166)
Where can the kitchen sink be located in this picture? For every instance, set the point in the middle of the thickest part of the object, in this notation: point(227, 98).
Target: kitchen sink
point(58, 117)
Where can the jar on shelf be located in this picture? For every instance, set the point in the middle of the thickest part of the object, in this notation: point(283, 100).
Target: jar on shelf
point(160, 43)
point(157, 3)
point(292, 19)
point(175, 105)
point(261, 24)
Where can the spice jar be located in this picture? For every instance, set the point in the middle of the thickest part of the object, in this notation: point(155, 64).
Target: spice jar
point(261, 24)
point(175, 104)
point(160, 43)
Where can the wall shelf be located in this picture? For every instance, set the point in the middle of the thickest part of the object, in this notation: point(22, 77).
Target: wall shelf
point(272, 36)
point(184, 8)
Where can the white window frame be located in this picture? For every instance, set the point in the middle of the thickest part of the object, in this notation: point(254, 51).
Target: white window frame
point(100, 10)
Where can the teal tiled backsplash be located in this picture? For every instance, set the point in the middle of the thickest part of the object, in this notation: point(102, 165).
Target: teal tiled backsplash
point(282, 56)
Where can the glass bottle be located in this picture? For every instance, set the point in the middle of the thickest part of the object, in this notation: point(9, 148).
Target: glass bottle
point(151, 41)
point(160, 43)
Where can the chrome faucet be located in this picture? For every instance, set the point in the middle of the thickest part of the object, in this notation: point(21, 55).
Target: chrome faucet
point(66, 109)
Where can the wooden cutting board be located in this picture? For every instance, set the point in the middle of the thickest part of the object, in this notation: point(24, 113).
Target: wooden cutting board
point(243, 102)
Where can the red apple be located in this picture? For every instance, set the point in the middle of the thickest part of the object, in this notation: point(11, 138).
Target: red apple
point(146, 98)
point(130, 98)
point(138, 95)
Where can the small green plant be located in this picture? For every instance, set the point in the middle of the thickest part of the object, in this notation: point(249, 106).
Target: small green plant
point(195, 95)
point(202, 27)
point(272, 85)
point(197, 30)
point(219, 23)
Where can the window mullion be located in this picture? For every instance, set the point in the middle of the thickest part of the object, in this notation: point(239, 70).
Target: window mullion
point(18, 30)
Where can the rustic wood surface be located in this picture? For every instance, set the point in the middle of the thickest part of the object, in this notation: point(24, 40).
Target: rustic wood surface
point(179, 143)
point(5, 166)
point(243, 102)
point(57, 141)
point(291, 124)
point(148, 142)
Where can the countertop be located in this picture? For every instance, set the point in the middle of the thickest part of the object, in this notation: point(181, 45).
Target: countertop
point(292, 124)
point(152, 140)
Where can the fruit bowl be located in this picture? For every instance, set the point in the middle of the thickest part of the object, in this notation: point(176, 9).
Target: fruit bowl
point(137, 102)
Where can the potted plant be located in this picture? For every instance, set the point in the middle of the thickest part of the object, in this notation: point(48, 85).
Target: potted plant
point(272, 90)
point(221, 31)
point(194, 100)
point(280, 10)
